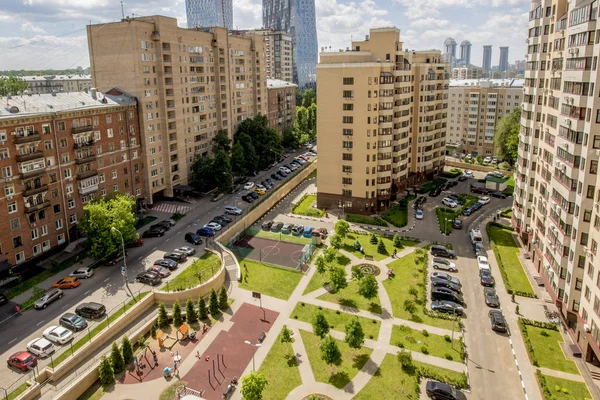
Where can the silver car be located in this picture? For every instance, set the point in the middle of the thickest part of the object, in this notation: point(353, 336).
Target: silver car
point(82, 273)
point(187, 250)
point(47, 298)
point(443, 264)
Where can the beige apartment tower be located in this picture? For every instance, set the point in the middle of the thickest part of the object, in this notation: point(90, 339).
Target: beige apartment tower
point(190, 83)
point(381, 122)
point(556, 206)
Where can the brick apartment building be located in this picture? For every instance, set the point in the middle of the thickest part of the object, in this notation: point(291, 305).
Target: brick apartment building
point(282, 104)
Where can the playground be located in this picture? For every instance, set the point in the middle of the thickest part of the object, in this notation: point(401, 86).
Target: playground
point(285, 254)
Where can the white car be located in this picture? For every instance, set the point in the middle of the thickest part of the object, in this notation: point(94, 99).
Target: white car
point(468, 157)
point(301, 161)
point(284, 169)
point(449, 202)
point(469, 174)
point(187, 250)
point(233, 210)
point(487, 160)
point(442, 263)
point(483, 263)
point(419, 214)
point(58, 334)
point(214, 226)
point(82, 273)
point(484, 200)
point(248, 185)
point(40, 347)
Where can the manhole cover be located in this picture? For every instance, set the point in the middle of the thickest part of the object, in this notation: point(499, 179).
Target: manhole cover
point(369, 269)
point(317, 396)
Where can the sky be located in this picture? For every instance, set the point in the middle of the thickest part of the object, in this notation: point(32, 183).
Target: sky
point(44, 34)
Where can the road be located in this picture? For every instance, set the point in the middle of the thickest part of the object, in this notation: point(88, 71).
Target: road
point(107, 284)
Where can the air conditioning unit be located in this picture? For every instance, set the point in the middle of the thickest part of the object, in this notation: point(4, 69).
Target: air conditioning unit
point(586, 328)
point(13, 133)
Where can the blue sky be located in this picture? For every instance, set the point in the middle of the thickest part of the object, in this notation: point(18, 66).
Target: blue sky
point(37, 34)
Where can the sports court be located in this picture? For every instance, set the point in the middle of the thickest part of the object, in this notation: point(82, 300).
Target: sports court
point(285, 254)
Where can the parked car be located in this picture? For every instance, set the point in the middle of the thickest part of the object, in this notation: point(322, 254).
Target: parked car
point(161, 271)
point(188, 251)
point(443, 283)
point(483, 263)
point(457, 223)
point(215, 226)
point(443, 391)
point(193, 238)
point(454, 197)
point(419, 214)
point(83, 273)
point(91, 310)
point(307, 231)
point(478, 190)
point(449, 202)
point(114, 258)
point(149, 278)
point(177, 257)
point(441, 251)
point(73, 322)
point(58, 334)
point(69, 282)
point(484, 200)
point(48, 297)
point(156, 232)
point(467, 211)
point(22, 360)
point(276, 177)
point(233, 210)
point(247, 198)
point(285, 170)
point(217, 197)
point(253, 195)
point(170, 222)
point(421, 200)
point(162, 225)
point(463, 178)
point(205, 232)
point(248, 185)
point(447, 306)
point(261, 187)
point(443, 264)
point(267, 225)
point(167, 263)
point(487, 160)
point(223, 217)
point(442, 293)
point(136, 241)
point(259, 191)
point(476, 206)
point(3, 299)
point(497, 321)
point(276, 226)
point(491, 298)
point(469, 174)
point(41, 347)
point(298, 230)
point(448, 277)
point(286, 228)
point(435, 192)
point(486, 277)
point(498, 195)
point(478, 248)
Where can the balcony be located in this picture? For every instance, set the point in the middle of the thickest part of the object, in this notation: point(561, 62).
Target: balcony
point(34, 190)
point(21, 138)
point(82, 144)
point(29, 208)
point(87, 189)
point(29, 156)
point(81, 129)
point(85, 158)
point(86, 174)
point(32, 170)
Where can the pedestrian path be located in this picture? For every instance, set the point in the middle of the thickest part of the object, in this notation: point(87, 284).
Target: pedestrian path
point(171, 208)
point(560, 374)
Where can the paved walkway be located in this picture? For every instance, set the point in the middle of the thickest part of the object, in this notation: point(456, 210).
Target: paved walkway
point(563, 375)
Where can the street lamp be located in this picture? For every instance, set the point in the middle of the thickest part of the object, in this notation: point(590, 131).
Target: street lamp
point(113, 229)
point(253, 351)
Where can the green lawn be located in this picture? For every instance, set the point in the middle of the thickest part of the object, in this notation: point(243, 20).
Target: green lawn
point(349, 297)
point(94, 392)
point(282, 237)
point(269, 280)
point(319, 280)
point(281, 371)
point(199, 271)
point(575, 390)
point(304, 207)
point(409, 274)
point(338, 321)
point(338, 374)
point(506, 251)
point(547, 350)
point(429, 186)
point(436, 345)
point(397, 215)
point(20, 389)
point(507, 213)
point(97, 329)
point(363, 219)
point(371, 249)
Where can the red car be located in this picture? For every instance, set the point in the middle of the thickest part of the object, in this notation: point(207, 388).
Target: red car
point(479, 190)
point(136, 243)
point(22, 360)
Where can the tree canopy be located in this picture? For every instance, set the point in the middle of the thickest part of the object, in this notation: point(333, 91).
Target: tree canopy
point(253, 386)
point(12, 85)
point(506, 139)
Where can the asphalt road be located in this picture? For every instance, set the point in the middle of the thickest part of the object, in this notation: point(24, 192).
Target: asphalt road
point(107, 285)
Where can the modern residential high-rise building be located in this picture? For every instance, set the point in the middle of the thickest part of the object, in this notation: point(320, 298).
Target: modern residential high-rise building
point(278, 54)
point(450, 47)
point(556, 207)
point(465, 52)
point(475, 108)
point(470, 72)
point(486, 64)
point(205, 13)
point(190, 84)
point(381, 121)
point(503, 62)
point(296, 18)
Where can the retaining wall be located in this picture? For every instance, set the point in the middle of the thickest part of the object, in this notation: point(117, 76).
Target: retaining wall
point(473, 167)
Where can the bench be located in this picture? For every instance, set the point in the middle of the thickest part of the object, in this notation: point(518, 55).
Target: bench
point(368, 258)
point(262, 337)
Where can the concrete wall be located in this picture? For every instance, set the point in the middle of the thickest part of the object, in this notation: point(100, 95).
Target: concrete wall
point(473, 167)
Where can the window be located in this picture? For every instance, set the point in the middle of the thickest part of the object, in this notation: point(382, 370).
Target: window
point(6, 172)
point(114, 174)
point(587, 293)
point(584, 238)
point(109, 131)
point(346, 156)
point(12, 207)
point(587, 216)
point(44, 230)
point(590, 191)
point(48, 145)
point(57, 209)
point(9, 190)
point(348, 81)
point(17, 241)
point(593, 167)
point(59, 224)
point(347, 181)
point(578, 283)
point(348, 94)
point(73, 219)
point(348, 107)
point(71, 203)
point(347, 119)
point(347, 145)
point(348, 132)
point(67, 173)
point(347, 193)
point(61, 126)
point(34, 234)
point(347, 168)
point(596, 142)
point(4, 154)
point(14, 224)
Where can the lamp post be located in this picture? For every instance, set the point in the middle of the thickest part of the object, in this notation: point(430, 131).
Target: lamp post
point(113, 229)
point(253, 351)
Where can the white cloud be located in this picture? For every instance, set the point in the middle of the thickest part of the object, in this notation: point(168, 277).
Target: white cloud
point(81, 4)
point(430, 22)
point(30, 27)
point(247, 14)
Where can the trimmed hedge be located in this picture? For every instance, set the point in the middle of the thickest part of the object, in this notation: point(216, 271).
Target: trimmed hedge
point(545, 389)
point(425, 372)
point(453, 173)
point(363, 219)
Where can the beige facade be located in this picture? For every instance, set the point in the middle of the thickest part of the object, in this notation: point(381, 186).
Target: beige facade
point(557, 193)
point(282, 104)
point(190, 83)
point(278, 54)
point(475, 108)
point(381, 122)
point(470, 72)
point(58, 83)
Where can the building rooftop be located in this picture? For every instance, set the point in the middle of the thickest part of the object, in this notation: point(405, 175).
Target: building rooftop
point(278, 84)
point(42, 78)
point(515, 83)
point(35, 104)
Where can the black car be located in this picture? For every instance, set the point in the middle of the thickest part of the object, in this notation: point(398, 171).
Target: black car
point(114, 258)
point(167, 263)
point(499, 195)
point(443, 391)
point(224, 217)
point(447, 307)
point(163, 224)
point(457, 223)
point(491, 298)
point(476, 206)
point(497, 321)
point(486, 278)
point(462, 178)
point(154, 232)
point(467, 211)
point(442, 293)
point(248, 198)
point(453, 183)
point(91, 310)
point(177, 257)
point(149, 278)
point(435, 192)
point(454, 197)
point(254, 195)
point(219, 221)
point(267, 225)
point(277, 226)
point(441, 251)
point(3, 299)
point(444, 283)
point(192, 238)
point(73, 322)
point(276, 177)
point(446, 186)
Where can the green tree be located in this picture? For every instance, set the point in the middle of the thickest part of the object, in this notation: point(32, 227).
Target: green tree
point(312, 120)
point(250, 156)
point(308, 97)
point(290, 138)
point(223, 301)
point(397, 241)
point(102, 214)
point(330, 352)
point(213, 304)
point(337, 279)
point(479, 160)
point(373, 239)
point(329, 254)
point(357, 273)
point(222, 171)
point(116, 358)
point(221, 141)
point(177, 320)
point(355, 336)
point(105, 371)
point(190, 311)
point(238, 160)
point(13, 85)
point(202, 310)
point(381, 247)
point(405, 359)
point(126, 350)
point(321, 264)
point(253, 386)
point(153, 331)
point(342, 228)
point(320, 324)
point(286, 336)
point(367, 287)
point(506, 138)
point(336, 241)
point(203, 177)
point(163, 318)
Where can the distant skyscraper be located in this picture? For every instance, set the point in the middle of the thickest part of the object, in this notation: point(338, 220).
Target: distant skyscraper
point(209, 13)
point(487, 58)
point(503, 63)
point(450, 47)
point(465, 52)
point(296, 18)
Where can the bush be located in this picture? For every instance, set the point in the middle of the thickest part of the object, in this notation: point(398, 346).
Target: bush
point(447, 338)
point(425, 333)
point(177, 320)
point(413, 292)
point(409, 306)
point(213, 304)
point(223, 300)
point(453, 173)
point(303, 208)
point(405, 359)
point(126, 350)
point(397, 241)
point(401, 345)
point(426, 372)
point(381, 247)
point(448, 356)
point(107, 375)
point(116, 359)
point(202, 311)
point(542, 379)
point(544, 333)
point(424, 350)
point(153, 331)
point(363, 219)
point(163, 317)
point(190, 311)
point(177, 216)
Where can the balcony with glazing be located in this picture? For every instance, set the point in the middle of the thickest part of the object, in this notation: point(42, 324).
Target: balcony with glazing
point(30, 169)
point(88, 185)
